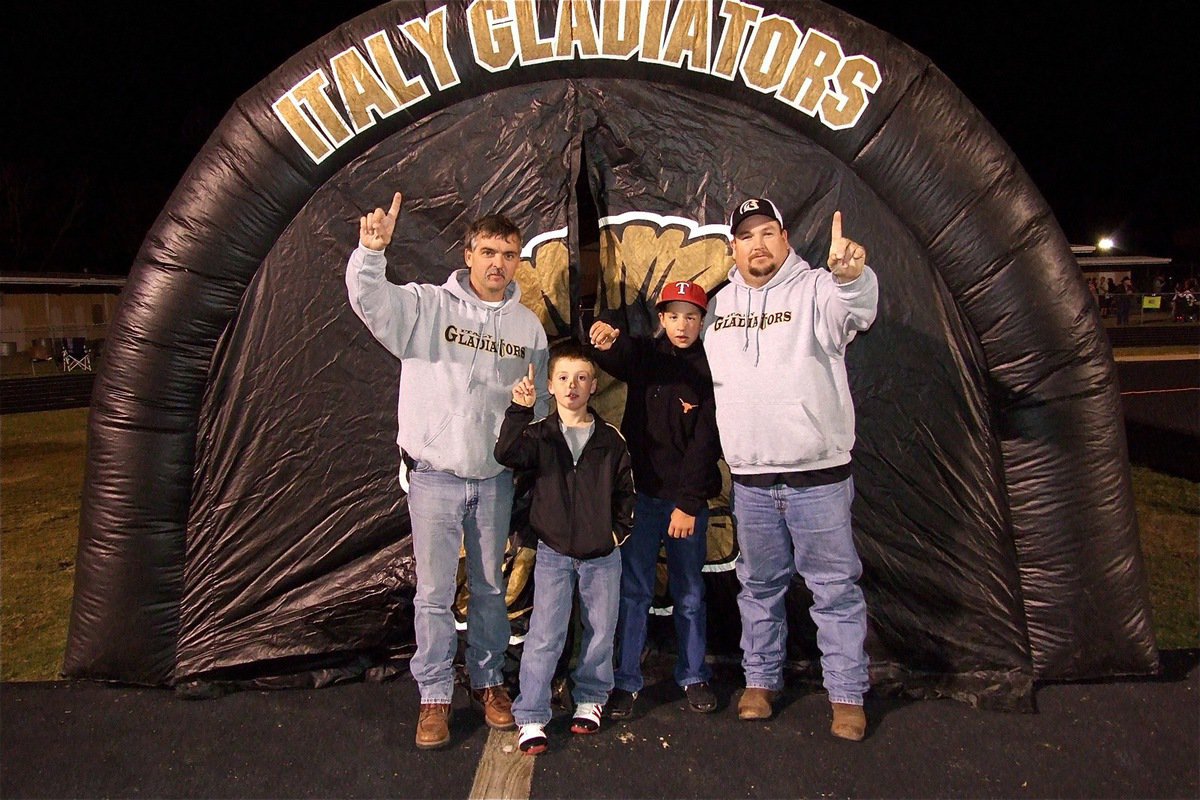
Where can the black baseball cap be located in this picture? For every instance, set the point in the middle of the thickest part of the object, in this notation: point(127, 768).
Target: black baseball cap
point(753, 207)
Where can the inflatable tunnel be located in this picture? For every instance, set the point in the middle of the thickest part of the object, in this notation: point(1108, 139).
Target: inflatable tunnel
point(241, 517)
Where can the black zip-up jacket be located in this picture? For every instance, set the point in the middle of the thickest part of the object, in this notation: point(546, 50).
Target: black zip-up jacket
point(582, 510)
point(670, 417)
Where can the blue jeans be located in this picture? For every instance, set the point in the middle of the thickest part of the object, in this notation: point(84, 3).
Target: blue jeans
point(449, 514)
point(782, 531)
point(685, 562)
point(554, 579)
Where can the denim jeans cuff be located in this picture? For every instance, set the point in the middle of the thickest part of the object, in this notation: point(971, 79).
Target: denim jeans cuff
point(762, 685)
point(486, 686)
point(597, 700)
point(434, 699)
point(524, 720)
point(846, 699)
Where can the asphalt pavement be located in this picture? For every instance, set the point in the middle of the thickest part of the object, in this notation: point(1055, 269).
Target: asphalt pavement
point(1136, 738)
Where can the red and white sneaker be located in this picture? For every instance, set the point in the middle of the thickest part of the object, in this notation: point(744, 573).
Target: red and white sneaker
point(532, 739)
point(587, 718)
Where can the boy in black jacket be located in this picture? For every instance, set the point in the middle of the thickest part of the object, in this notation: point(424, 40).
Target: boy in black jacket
point(581, 511)
point(670, 424)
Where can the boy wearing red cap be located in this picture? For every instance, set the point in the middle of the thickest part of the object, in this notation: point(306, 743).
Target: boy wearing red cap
point(670, 427)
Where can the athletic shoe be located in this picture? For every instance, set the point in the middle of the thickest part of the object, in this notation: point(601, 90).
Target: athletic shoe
point(620, 704)
point(587, 718)
point(532, 739)
point(700, 697)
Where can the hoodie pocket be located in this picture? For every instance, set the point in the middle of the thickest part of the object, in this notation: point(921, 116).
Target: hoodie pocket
point(779, 434)
point(437, 430)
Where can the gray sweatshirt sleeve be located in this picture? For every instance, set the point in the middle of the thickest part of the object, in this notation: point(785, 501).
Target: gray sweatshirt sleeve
point(844, 309)
point(389, 311)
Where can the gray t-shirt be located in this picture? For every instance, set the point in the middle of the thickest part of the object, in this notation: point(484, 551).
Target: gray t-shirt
point(577, 437)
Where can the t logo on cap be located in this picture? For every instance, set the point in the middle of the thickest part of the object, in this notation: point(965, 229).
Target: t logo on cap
point(683, 291)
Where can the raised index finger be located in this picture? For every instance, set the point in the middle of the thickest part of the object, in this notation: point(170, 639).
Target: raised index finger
point(395, 209)
point(531, 373)
point(837, 225)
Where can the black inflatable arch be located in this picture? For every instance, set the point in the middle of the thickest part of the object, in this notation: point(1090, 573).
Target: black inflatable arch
point(240, 518)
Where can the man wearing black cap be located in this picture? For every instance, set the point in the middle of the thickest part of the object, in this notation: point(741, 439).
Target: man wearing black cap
point(671, 429)
point(776, 338)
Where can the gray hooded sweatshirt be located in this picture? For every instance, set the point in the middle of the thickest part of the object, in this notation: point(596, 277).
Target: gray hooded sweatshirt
point(777, 355)
point(460, 358)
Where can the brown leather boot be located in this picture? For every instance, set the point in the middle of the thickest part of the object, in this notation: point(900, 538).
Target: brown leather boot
point(849, 722)
point(756, 703)
point(497, 707)
point(433, 726)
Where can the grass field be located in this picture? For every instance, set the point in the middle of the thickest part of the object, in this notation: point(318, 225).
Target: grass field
point(41, 474)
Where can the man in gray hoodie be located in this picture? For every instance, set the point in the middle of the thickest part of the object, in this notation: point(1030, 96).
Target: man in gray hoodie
point(776, 338)
point(462, 346)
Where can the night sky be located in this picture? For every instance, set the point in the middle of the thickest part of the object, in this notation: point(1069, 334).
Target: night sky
point(114, 99)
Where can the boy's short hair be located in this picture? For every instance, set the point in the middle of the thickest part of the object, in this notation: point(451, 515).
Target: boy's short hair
point(496, 225)
point(569, 348)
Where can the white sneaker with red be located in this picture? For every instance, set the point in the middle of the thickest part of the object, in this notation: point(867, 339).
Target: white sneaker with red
point(532, 739)
point(587, 718)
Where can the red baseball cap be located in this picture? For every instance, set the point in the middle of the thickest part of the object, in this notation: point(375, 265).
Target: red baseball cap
point(683, 291)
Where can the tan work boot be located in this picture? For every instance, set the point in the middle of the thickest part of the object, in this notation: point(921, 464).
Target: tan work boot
point(433, 726)
point(497, 707)
point(849, 722)
point(755, 703)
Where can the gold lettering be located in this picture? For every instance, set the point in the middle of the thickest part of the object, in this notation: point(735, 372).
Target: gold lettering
point(857, 77)
point(818, 60)
point(310, 93)
point(429, 35)
point(620, 25)
point(770, 50)
point(302, 129)
point(361, 89)
point(739, 18)
point(384, 58)
point(652, 36)
point(490, 28)
point(531, 48)
point(576, 27)
point(690, 34)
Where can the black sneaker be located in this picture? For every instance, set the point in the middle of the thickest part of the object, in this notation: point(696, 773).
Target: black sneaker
point(620, 703)
point(700, 697)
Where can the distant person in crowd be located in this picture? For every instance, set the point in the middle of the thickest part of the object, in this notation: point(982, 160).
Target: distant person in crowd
point(671, 426)
point(1124, 299)
point(1185, 306)
point(776, 338)
point(581, 511)
point(461, 346)
point(1102, 292)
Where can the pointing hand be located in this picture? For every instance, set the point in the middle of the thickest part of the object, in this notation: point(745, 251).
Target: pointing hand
point(375, 229)
point(846, 258)
point(525, 393)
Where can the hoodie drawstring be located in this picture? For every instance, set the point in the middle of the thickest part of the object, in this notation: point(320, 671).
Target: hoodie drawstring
point(762, 308)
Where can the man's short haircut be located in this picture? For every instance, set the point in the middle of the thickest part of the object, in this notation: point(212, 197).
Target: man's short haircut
point(569, 348)
point(493, 225)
